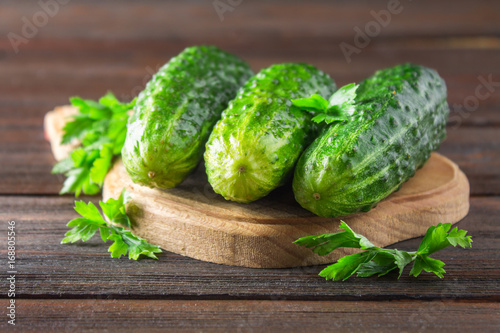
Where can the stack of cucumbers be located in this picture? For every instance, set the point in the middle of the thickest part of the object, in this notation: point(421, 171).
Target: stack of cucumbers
point(207, 104)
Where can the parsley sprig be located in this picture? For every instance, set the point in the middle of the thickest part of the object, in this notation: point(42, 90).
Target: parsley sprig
point(379, 261)
point(85, 227)
point(101, 127)
point(340, 107)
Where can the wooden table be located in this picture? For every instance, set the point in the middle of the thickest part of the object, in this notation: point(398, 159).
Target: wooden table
point(89, 47)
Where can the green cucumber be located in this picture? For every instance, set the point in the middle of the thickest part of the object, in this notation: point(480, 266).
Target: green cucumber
point(254, 147)
point(175, 113)
point(400, 118)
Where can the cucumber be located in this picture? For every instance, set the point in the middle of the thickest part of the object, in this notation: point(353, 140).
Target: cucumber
point(254, 147)
point(401, 115)
point(175, 113)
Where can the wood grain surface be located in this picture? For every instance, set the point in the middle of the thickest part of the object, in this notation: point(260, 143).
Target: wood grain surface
point(255, 315)
point(90, 47)
point(51, 270)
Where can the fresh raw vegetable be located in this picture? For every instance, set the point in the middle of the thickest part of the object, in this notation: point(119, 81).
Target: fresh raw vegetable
point(398, 119)
point(101, 128)
point(256, 144)
point(85, 227)
point(378, 261)
point(175, 113)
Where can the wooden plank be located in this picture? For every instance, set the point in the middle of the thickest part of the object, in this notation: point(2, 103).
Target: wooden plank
point(476, 153)
point(18, 111)
point(47, 269)
point(124, 67)
point(125, 64)
point(242, 316)
point(253, 20)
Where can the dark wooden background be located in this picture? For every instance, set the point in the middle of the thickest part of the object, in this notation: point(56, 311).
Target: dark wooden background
point(89, 47)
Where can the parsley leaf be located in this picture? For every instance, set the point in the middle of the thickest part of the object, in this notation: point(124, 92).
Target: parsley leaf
point(401, 259)
point(101, 128)
point(427, 264)
point(85, 227)
point(378, 261)
point(343, 99)
point(125, 241)
point(115, 209)
point(314, 103)
point(326, 243)
point(346, 266)
point(340, 107)
point(381, 264)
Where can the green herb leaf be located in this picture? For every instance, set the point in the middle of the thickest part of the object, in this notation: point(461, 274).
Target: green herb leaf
point(346, 266)
point(78, 179)
point(76, 128)
point(381, 264)
point(136, 246)
point(437, 238)
point(115, 209)
point(104, 232)
point(340, 107)
point(426, 263)
point(326, 243)
point(328, 118)
point(314, 103)
point(101, 128)
point(460, 238)
point(401, 259)
point(102, 164)
point(119, 247)
point(343, 100)
point(63, 166)
point(85, 227)
point(82, 230)
point(378, 261)
point(89, 211)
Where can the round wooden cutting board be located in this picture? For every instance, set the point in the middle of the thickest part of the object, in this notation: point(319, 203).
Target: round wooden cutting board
point(194, 221)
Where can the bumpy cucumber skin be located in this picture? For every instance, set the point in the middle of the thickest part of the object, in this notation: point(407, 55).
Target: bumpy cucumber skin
point(175, 113)
point(254, 147)
point(401, 118)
